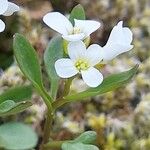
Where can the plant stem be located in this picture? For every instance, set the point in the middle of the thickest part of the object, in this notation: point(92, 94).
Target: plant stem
point(47, 128)
point(60, 102)
point(47, 99)
point(67, 86)
point(54, 88)
point(50, 112)
point(49, 116)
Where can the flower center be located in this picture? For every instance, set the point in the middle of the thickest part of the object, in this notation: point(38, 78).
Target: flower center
point(76, 30)
point(81, 65)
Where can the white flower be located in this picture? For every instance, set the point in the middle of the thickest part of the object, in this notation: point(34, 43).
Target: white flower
point(81, 61)
point(6, 9)
point(119, 42)
point(81, 29)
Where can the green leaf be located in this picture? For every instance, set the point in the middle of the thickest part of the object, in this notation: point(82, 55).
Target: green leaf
point(110, 83)
point(83, 142)
point(78, 146)
point(10, 107)
point(27, 60)
point(16, 94)
point(2, 143)
point(77, 13)
point(6, 106)
point(53, 52)
point(87, 137)
point(17, 136)
point(13, 101)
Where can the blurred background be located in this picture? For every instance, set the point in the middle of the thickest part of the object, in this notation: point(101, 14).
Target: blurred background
point(122, 117)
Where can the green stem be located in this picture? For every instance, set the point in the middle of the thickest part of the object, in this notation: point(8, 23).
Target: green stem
point(61, 101)
point(50, 113)
point(54, 88)
point(58, 103)
point(47, 129)
point(49, 117)
point(47, 99)
point(48, 126)
point(67, 86)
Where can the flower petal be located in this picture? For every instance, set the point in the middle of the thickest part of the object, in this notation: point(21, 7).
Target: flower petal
point(128, 35)
point(120, 34)
point(94, 54)
point(74, 37)
point(119, 42)
point(2, 26)
point(92, 77)
point(65, 68)
point(87, 26)
point(3, 6)
point(11, 9)
point(58, 22)
point(76, 50)
point(111, 51)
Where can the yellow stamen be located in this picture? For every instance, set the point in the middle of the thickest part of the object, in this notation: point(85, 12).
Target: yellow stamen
point(81, 65)
point(76, 30)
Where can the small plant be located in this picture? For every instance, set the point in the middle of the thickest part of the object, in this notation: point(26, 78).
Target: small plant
point(66, 56)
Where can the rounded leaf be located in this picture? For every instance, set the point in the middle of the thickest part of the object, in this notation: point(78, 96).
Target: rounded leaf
point(6, 106)
point(17, 136)
point(77, 13)
point(78, 146)
point(87, 137)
